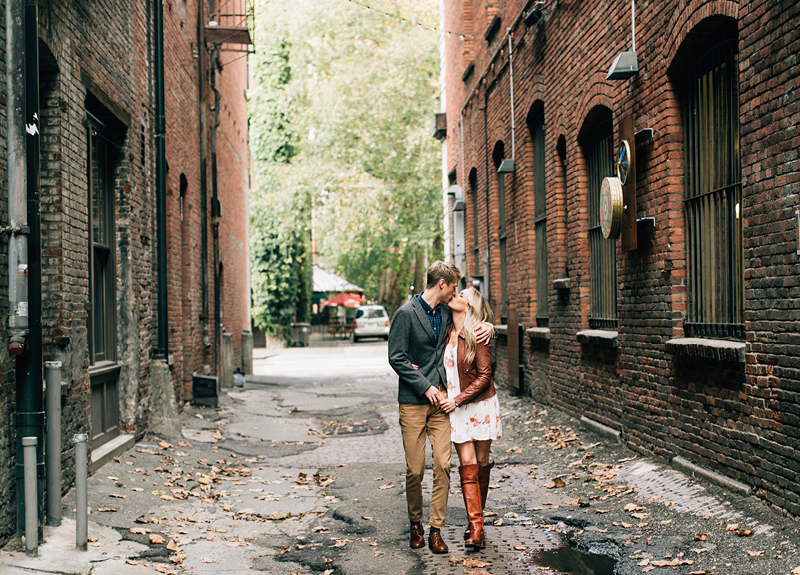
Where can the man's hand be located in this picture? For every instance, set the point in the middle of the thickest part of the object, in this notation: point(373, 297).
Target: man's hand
point(434, 396)
point(483, 333)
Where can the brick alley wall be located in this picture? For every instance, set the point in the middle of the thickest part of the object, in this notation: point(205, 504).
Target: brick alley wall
point(739, 418)
point(233, 162)
point(94, 61)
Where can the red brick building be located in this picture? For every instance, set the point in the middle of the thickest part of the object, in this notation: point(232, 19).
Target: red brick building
point(680, 335)
point(98, 213)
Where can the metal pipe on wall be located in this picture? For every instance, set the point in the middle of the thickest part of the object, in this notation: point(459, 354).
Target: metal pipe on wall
point(511, 84)
point(201, 78)
point(53, 446)
point(161, 181)
point(216, 213)
point(31, 499)
point(29, 414)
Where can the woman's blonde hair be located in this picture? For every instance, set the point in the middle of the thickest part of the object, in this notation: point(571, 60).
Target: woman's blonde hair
point(478, 311)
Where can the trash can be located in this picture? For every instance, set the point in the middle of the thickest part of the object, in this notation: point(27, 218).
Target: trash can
point(300, 334)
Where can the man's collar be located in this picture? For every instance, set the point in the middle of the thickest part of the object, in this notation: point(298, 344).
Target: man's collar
point(428, 309)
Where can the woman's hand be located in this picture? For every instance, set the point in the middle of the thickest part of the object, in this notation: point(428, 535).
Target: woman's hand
point(448, 405)
point(414, 366)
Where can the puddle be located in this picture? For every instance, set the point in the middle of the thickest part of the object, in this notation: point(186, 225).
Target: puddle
point(568, 560)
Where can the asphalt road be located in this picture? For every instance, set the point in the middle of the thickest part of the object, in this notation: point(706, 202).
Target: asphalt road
point(302, 472)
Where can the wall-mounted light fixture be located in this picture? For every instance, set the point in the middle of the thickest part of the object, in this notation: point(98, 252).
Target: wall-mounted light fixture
point(506, 167)
point(626, 65)
point(534, 15)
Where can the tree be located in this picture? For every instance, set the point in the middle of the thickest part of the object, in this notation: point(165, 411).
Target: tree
point(359, 89)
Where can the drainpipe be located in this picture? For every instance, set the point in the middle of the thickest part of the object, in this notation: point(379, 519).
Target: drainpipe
point(161, 182)
point(25, 269)
point(201, 76)
point(216, 213)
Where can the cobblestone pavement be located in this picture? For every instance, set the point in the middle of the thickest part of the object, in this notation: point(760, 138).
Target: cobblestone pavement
point(304, 474)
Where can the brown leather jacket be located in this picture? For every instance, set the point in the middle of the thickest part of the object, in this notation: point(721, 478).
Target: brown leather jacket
point(475, 378)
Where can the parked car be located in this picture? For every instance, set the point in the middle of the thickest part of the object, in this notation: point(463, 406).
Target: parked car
point(371, 321)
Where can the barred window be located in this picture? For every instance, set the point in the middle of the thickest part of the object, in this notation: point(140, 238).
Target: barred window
point(599, 150)
point(536, 127)
point(713, 196)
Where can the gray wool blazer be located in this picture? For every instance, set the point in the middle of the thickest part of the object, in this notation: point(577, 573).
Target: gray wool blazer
point(411, 341)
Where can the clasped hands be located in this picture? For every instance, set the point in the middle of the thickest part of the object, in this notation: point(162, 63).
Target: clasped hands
point(440, 400)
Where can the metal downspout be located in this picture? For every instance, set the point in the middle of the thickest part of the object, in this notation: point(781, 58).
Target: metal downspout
point(161, 182)
point(25, 266)
point(216, 213)
point(201, 76)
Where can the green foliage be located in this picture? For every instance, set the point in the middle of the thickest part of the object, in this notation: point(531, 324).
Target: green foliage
point(280, 265)
point(340, 115)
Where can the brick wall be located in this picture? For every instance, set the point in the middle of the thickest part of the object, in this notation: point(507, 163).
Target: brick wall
point(740, 419)
point(98, 52)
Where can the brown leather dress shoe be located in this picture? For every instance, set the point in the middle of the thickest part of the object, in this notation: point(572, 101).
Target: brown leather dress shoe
point(436, 543)
point(417, 537)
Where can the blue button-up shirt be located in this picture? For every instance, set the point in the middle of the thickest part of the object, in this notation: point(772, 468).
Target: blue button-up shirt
point(434, 316)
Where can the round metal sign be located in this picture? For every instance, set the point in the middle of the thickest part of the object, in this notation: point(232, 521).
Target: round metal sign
point(623, 160)
point(611, 207)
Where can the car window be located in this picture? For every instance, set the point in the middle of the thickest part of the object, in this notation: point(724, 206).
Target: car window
point(359, 313)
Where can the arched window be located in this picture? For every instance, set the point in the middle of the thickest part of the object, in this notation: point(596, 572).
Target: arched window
point(597, 142)
point(713, 193)
point(535, 123)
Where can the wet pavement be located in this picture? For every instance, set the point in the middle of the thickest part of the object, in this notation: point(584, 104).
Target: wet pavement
point(302, 470)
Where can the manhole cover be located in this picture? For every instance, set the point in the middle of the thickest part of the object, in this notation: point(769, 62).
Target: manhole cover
point(509, 551)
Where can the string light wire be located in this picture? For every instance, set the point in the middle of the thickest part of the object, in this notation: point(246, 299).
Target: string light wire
point(408, 21)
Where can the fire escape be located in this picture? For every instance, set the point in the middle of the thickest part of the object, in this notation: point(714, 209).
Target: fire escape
point(228, 25)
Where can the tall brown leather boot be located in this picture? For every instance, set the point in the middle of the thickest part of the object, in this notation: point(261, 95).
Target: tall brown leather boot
point(472, 501)
point(483, 480)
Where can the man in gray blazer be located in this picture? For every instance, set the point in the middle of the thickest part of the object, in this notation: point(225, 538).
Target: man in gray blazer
point(416, 346)
point(417, 340)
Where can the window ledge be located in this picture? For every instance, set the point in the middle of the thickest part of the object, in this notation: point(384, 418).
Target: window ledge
point(598, 337)
point(104, 368)
point(500, 329)
point(538, 333)
point(703, 348)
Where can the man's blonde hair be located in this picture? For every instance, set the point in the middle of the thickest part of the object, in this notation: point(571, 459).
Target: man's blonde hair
point(442, 271)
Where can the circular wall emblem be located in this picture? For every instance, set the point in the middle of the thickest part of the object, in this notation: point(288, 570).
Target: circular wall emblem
point(623, 160)
point(611, 207)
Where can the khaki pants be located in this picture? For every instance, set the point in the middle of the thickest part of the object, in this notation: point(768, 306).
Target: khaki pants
point(417, 422)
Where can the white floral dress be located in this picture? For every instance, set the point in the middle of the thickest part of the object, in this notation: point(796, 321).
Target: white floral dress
point(474, 421)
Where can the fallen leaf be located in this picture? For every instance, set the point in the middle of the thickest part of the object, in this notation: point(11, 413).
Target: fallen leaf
point(673, 563)
point(644, 563)
point(744, 533)
point(172, 546)
point(162, 569)
point(633, 507)
point(387, 486)
point(156, 539)
point(640, 515)
point(732, 527)
point(498, 523)
point(132, 562)
point(117, 495)
point(701, 537)
point(367, 518)
point(140, 530)
point(204, 560)
point(755, 553)
point(105, 509)
point(475, 563)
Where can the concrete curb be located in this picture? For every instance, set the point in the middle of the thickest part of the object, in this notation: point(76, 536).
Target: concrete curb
point(600, 429)
point(721, 480)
